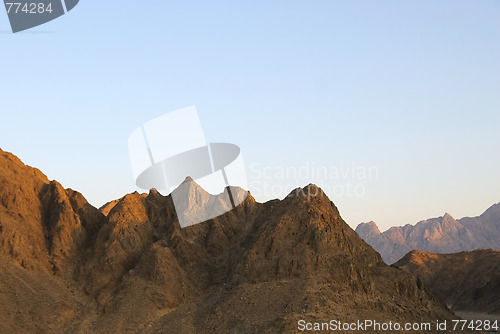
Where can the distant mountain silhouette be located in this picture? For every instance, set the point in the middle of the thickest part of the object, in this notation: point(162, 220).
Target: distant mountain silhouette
point(437, 235)
point(466, 281)
point(66, 267)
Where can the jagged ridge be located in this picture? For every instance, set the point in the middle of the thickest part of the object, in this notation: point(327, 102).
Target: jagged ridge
point(437, 235)
point(255, 269)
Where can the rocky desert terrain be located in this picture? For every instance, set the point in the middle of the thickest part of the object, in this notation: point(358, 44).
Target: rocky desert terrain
point(67, 267)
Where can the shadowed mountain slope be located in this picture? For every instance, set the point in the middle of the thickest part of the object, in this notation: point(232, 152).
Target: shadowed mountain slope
point(467, 281)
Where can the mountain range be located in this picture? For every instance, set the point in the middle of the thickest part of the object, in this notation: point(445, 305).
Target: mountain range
point(67, 267)
point(437, 235)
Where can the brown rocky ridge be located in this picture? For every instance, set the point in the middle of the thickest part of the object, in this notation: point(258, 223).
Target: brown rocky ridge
point(68, 268)
point(437, 235)
point(466, 281)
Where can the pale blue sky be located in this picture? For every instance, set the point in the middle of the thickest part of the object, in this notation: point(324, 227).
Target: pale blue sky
point(409, 87)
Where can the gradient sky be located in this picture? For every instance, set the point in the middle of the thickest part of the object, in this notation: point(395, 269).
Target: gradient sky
point(410, 88)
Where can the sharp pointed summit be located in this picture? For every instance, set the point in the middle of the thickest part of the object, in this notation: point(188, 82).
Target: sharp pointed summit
point(188, 179)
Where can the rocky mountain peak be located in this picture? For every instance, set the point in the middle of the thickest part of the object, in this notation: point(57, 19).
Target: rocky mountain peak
point(188, 179)
point(448, 217)
point(492, 210)
point(191, 190)
point(308, 192)
point(153, 192)
point(367, 228)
